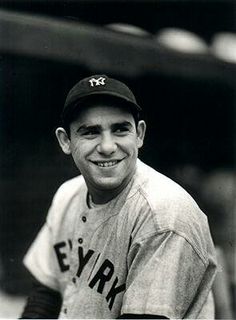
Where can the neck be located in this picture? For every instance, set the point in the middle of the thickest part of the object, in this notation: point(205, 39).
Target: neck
point(102, 197)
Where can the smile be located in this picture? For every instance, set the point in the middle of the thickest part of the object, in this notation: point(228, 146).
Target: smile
point(106, 164)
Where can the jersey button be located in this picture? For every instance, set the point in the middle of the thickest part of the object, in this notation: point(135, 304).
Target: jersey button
point(84, 219)
point(74, 280)
point(80, 240)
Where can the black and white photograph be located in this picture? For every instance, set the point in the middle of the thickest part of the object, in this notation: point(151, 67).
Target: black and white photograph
point(117, 159)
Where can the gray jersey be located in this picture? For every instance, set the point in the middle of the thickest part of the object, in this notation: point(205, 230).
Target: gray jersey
point(147, 251)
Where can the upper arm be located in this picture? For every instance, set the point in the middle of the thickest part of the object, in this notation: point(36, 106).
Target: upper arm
point(164, 275)
point(40, 259)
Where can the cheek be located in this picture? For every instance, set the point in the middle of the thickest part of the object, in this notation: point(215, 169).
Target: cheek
point(131, 147)
point(77, 154)
point(79, 149)
point(81, 152)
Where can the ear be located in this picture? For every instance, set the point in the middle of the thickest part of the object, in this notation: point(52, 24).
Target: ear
point(63, 140)
point(141, 129)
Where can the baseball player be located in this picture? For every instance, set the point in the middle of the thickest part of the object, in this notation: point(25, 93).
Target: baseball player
point(121, 240)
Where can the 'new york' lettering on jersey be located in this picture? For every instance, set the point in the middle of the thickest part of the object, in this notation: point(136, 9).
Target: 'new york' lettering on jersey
point(102, 277)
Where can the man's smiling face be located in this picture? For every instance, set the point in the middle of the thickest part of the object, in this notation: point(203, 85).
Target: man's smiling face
point(104, 143)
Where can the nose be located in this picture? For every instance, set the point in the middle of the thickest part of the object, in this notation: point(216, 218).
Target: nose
point(107, 145)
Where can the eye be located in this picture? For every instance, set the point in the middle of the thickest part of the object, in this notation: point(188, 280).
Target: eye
point(121, 130)
point(90, 132)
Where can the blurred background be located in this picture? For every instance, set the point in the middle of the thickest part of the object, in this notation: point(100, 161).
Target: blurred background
point(178, 56)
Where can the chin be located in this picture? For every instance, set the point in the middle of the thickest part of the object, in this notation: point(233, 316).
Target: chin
point(108, 184)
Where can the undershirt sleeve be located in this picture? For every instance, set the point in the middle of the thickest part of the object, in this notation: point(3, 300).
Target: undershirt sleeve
point(42, 303)
point(164, 276)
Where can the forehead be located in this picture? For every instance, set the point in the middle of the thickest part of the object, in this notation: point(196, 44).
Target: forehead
point(103, 114)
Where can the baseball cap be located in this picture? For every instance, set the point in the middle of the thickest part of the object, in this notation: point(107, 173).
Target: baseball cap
point(98, 85)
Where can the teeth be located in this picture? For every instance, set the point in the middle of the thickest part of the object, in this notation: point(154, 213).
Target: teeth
point(107, 164)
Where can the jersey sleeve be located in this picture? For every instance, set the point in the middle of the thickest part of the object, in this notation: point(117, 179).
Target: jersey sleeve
point(165, 274)
point(40, 259)
point(43, 259)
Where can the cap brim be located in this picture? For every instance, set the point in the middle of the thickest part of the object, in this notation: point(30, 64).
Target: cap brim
point(70, 108)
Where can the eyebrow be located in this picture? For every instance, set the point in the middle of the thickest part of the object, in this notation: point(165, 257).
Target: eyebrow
point(85, 127)
point(88, 127)
point(121, 124)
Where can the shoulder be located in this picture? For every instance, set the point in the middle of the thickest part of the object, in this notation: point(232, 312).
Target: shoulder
point(164, 200)
point(161, 192)
point(69, 188)
point(172, 208)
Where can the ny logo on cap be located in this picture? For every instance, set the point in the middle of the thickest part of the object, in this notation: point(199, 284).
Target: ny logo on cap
point(97, 82)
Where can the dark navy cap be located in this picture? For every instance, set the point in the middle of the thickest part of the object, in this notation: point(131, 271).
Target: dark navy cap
point(100, 85)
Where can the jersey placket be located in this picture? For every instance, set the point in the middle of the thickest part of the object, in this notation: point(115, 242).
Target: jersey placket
point(79, 238)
